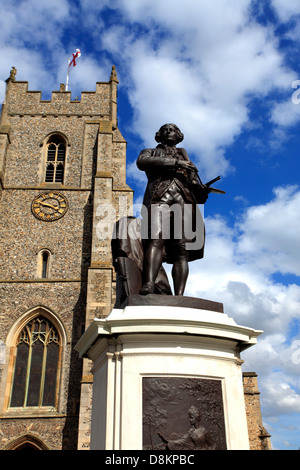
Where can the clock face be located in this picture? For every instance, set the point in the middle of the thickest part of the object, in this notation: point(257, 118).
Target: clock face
point(49, 206)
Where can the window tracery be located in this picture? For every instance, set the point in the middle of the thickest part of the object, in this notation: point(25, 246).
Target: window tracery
point(35, 379)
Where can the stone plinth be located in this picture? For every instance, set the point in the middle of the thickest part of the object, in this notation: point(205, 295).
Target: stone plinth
point(153, 300)
point(152, 364)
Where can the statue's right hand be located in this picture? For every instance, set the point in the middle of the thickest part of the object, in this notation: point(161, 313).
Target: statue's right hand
point(187, 165)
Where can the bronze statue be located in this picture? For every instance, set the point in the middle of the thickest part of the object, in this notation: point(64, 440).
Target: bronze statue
point(173, 182)
point(172, 228)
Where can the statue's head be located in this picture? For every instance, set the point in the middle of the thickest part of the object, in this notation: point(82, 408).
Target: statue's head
point(169, 133)
point(194, 414)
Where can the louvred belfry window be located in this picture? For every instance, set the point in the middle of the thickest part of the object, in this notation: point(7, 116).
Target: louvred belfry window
point(35, 380)
point(55, 165)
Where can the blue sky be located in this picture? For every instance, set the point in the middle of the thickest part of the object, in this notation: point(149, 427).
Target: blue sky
point(225, 71)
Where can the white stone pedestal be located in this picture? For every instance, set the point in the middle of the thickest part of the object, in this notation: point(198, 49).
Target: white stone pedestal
point(140, 342)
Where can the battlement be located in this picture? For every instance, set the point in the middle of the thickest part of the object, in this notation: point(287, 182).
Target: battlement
point(20, 100)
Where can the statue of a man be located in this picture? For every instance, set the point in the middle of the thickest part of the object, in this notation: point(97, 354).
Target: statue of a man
point(173, 184)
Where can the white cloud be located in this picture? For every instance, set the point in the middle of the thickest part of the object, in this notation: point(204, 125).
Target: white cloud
point(29, 65)
point(271, 233)
point(34, 22)
point(280, 396)
point(286, 10)
point(135, 175)
point(239, 262)
point(185, 64)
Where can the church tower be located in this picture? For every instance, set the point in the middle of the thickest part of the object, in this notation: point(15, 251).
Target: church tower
point(62, 169)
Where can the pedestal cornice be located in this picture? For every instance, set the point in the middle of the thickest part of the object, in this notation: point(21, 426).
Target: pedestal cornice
point(145, 319)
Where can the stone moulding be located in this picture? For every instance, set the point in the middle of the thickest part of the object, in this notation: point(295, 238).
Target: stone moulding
point(167, 320)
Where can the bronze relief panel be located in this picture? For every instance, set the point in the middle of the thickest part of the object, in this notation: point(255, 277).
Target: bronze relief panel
point(181, 413)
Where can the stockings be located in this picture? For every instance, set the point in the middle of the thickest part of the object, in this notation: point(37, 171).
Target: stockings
point(152, 263)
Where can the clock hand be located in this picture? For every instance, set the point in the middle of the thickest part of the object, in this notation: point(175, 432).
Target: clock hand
point(49, 205)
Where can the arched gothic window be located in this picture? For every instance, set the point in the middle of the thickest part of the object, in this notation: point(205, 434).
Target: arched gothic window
point(56, 155)
point(37, 364)
point(25, 443)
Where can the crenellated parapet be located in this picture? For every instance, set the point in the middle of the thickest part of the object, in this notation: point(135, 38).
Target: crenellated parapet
point(100, 103)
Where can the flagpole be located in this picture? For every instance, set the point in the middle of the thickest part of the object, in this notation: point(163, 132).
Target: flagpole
point(67, 82)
